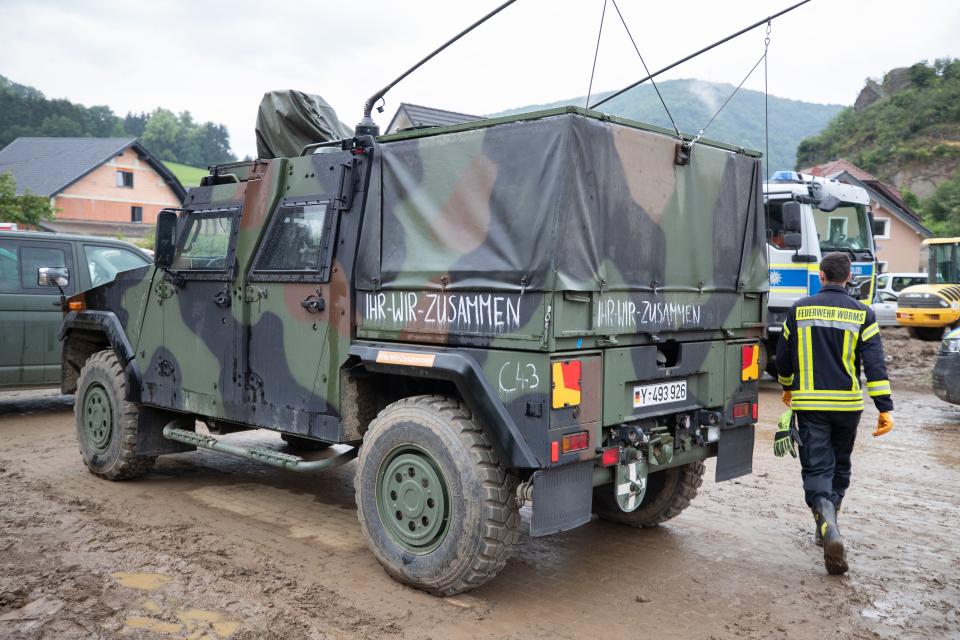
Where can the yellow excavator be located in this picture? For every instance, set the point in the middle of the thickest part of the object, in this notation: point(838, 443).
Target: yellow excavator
point(928, 309)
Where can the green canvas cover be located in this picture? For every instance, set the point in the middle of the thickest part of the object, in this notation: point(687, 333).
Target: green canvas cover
point(571, 202)
point(287, 121)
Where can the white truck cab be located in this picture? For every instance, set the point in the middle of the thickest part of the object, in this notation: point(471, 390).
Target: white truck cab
point(807, 217)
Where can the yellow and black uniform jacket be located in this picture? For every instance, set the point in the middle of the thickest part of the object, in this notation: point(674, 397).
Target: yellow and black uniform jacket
point(825, 340)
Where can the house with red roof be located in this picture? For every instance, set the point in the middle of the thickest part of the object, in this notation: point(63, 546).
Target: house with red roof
point(898, 229)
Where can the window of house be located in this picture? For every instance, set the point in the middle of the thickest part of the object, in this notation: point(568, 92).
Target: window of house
point(125, 179)
point(881, 228)
point(136, 214)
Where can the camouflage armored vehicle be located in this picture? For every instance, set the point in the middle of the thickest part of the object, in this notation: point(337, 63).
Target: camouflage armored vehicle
point(562, 308)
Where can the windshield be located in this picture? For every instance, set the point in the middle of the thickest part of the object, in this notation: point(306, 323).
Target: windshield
point(843, 228)
point(947, 259)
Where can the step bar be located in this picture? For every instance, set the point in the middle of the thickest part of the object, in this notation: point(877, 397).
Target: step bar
point(259, 454)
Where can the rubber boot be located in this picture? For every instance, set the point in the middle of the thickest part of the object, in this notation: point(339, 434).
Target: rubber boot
point(818, 538)
point(834, 555)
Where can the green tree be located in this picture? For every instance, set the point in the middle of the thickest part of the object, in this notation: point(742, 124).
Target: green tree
point(942, 209)
point(26, 209)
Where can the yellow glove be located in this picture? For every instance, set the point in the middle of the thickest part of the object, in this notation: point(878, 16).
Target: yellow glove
point(884, 424)
point(787, 397)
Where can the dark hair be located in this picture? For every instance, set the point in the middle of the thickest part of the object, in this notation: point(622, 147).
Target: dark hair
point(836, 267)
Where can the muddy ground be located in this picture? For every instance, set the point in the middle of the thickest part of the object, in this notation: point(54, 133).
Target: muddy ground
point(207, 546)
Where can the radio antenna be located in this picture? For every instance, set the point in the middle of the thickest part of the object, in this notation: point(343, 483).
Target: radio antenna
point(367, 126)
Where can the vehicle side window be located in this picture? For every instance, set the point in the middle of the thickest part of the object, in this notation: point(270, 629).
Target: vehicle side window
point(9, 269)
point(886, 296)
point(882, 282)
point(297, 242)
point(205, 242)
point(32, 258)
point(900, 284)
point(105, 262)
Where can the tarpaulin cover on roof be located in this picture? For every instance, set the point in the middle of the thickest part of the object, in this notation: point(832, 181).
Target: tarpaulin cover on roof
point(287, 121)
point(568, 202)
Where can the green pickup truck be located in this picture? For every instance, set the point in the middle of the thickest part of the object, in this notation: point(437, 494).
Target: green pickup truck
point(30, 315)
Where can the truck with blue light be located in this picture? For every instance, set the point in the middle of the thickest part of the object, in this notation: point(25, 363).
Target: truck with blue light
point(807, 217)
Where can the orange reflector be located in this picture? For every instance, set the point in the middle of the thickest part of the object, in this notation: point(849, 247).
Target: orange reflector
point(750, 362)
point(554, 452)
point(741, 410)
point(610, 457)
point(566, 384)
point(575, 441)
point(77, 305)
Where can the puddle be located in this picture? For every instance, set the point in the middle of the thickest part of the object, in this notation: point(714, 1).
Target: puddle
point(143, 581)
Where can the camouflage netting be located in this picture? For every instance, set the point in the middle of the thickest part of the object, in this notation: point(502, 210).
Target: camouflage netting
point(287, 121)
point(569, 202)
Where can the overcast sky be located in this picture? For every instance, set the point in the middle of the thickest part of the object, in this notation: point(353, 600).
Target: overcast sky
point(216, 59)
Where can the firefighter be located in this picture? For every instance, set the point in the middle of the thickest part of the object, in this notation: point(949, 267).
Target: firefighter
point(825, 340)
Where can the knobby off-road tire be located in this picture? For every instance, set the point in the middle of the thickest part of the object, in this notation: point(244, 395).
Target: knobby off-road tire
point(668, 493)
point(928, 334)
point(436, 507)
point(299, 443)
point(106, 422)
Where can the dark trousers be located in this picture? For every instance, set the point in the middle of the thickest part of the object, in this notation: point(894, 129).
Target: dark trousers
point(827, 438)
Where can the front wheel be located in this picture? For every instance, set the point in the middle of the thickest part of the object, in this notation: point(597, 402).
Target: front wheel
point(668, 494)
point(436, 507)
point(106, 422)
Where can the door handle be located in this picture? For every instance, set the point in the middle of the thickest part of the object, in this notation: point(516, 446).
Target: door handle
point(313, 304)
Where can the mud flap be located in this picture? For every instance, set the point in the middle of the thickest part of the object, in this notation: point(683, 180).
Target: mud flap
point(735, 453)
point(562, 498)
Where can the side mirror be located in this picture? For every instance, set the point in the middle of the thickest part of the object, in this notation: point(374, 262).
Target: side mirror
point(792, 241)
point(792, 222)
point(165, 241)
point(855, 289)
point(53, 277)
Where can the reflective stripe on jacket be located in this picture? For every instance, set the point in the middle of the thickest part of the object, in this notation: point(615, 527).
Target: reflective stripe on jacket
point(825, 341)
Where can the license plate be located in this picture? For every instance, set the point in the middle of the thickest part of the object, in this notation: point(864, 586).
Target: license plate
point(649, 395)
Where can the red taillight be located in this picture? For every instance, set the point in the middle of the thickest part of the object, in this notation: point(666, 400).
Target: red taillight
point(741, 410)
point(756, 412)
point(554, 452)
point(749, 362)
point(610, 457)
point(575, 442)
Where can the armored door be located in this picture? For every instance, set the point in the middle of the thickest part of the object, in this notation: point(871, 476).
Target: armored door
point(288, 309)
point(188, 345)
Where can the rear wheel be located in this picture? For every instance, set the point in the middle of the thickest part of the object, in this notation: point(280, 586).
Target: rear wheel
point(930, 334)
point(106, 422)
point(436, 507)
point(668, 494)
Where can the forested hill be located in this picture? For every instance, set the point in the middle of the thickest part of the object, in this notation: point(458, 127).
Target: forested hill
point(904, 129)
point(25, 111)
point(694, 102)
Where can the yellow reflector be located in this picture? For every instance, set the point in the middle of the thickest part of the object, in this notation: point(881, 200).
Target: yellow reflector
point(566, 384)
point(750, 362)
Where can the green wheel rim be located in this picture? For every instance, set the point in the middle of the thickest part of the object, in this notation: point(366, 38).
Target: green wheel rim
point(97, 419)
point(412, 499)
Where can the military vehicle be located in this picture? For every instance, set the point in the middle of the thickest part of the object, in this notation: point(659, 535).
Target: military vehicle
point(928, 309)
point(808, 217)
point(561, 307)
